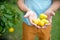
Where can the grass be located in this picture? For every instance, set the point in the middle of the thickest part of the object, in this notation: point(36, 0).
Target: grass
point(56, 26)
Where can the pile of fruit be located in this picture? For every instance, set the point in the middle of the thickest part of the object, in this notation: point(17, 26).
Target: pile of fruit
point(41, 21)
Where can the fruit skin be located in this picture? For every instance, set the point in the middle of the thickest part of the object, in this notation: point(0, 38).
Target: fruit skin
point(11, 29)
point(41, 23)
point(35, 21)
point(43, 16)
point(45, 21)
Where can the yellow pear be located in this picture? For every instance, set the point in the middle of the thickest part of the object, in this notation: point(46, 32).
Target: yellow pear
point(45, 21)
point(43, 16)
point(35, 21)
point(11, 29)
point(40, 23)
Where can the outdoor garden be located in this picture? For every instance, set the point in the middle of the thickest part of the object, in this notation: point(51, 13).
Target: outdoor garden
point(11, 22)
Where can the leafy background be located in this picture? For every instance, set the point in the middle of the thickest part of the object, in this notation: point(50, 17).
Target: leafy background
point(10, 16)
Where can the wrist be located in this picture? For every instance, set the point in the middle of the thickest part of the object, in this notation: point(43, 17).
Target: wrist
point(51, 9)
point(27, 10)
point(50, 12)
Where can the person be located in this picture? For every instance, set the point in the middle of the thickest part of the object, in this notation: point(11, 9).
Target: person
point(32, 9)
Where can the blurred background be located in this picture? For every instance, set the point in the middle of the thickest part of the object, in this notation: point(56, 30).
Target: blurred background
point(11, 22)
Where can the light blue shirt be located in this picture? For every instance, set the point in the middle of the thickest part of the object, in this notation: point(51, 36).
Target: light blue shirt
point(38, 6)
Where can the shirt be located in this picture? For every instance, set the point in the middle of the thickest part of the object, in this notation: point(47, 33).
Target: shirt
point(38, 6)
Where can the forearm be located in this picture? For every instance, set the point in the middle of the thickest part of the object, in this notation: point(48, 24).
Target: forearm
point(22, 6)
point(54, 6)
point(59, 5)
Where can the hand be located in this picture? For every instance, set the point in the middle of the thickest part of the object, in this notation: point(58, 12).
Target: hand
point(49, 13)
point(31, 15)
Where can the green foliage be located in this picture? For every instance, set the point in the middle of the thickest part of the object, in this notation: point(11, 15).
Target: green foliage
point(10, 15)
point(8, 1)
point(2, 26)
